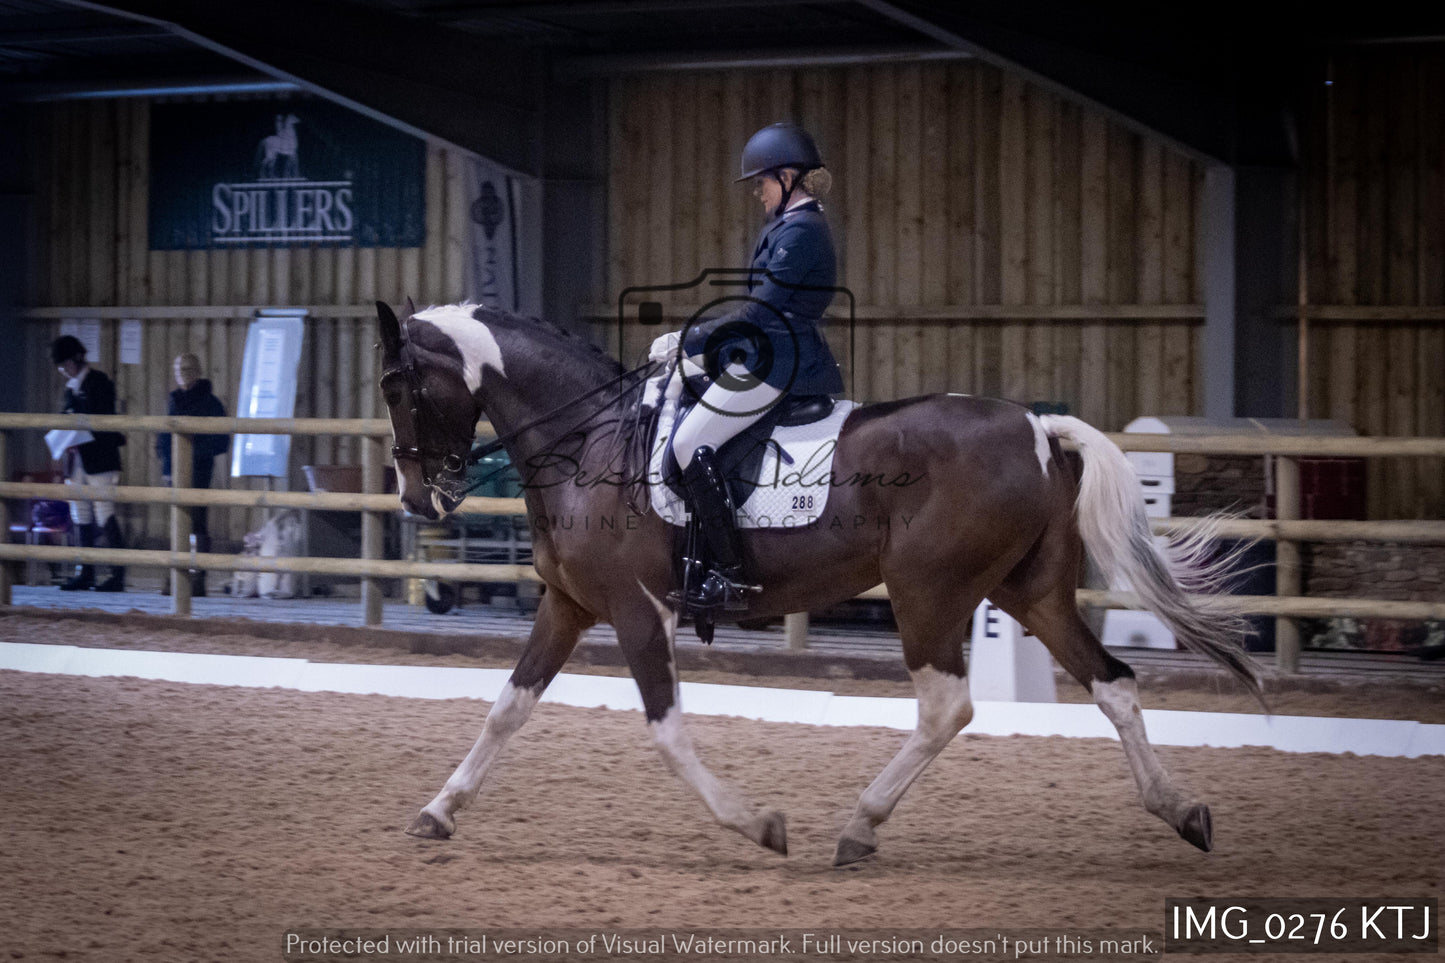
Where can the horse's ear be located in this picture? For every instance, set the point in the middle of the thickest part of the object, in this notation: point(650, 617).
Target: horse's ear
point(410, 308)
point(390, 328)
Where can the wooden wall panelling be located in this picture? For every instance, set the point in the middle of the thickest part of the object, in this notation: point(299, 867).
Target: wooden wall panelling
point(1341, 120)
point(857, 216)
point(1040, 267)
point(1402, 285)
point(907, 241)
point(957, 245)
point(933, 253)
point(1149, 252)
point(882, 237)
point(715, 172)
point(1176, 396)
point(1120, 277)
point(1094, 265)
point(659, 196)
point(1066, 240)
point(1013, 185)
point(1430, 247)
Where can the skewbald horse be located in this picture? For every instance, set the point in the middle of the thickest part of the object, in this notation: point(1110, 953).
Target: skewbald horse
point(993, 509)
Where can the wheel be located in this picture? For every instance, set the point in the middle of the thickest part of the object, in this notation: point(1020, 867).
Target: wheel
point(441, 597)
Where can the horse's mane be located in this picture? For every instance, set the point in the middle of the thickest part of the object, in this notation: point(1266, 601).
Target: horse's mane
point(580, 348)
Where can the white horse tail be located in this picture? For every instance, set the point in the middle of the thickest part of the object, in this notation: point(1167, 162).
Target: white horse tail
point(1115, 530)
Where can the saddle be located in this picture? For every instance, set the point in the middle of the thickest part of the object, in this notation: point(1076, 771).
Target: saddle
point(777, 471)
point(741, 458)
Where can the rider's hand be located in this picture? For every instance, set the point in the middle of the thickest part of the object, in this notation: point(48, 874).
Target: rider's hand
point(664, 348)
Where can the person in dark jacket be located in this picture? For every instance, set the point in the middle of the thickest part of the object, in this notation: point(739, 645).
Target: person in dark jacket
point(768, 349)
point(193, 398)
point(96, 462)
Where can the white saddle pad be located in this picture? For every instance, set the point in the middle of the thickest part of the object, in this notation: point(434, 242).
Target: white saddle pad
point(788, 494)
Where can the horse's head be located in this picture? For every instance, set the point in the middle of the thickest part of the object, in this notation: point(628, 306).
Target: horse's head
point(433, 413)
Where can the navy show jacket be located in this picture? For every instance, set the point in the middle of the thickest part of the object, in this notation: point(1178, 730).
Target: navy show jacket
point(794, 277)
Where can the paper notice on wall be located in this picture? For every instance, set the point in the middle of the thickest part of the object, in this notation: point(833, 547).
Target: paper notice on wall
point(132, 341)
point(88, 331)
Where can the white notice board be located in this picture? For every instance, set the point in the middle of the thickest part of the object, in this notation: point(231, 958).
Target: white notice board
point(268, 390)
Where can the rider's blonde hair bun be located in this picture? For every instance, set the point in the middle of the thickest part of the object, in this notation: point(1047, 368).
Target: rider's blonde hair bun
point(817, 181)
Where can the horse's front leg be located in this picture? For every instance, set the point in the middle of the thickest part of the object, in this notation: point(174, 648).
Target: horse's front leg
point(560, 622)
point(646, 636)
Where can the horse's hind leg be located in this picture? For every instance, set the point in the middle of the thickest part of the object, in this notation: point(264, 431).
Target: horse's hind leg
point(646, 636)
point(932, 635)
point(560, 622)
point(1056, 621)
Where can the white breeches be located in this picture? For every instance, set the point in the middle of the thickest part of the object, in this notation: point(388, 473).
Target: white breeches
point(91, 512)
point(721, 413)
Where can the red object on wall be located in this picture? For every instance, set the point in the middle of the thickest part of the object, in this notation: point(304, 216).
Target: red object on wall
point(1332, 488)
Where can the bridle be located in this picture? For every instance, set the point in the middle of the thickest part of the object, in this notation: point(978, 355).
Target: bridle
point(450, 480)
point(453, 465)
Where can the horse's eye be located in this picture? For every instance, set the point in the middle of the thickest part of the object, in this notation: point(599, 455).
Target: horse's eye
point(392, 397)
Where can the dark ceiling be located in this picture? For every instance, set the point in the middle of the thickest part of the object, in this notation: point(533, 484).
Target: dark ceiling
point(480, 72)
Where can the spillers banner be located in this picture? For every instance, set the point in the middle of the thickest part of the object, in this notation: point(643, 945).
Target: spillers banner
point(274, 173)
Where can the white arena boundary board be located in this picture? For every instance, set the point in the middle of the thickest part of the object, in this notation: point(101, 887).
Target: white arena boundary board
point(1366, 737)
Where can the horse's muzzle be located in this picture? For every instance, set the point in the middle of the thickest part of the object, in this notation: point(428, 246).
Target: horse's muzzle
point(422, 507)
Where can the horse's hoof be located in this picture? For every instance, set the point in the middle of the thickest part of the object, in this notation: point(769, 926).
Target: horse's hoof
point(1198, 828)
point(428, 826)
point(775, 833)
point(851, 851)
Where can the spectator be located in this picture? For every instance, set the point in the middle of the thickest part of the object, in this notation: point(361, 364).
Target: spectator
point(93, 463)
point(193, 398)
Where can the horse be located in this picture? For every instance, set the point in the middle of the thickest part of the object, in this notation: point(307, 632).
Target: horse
point(993, 507)
point(283, 143)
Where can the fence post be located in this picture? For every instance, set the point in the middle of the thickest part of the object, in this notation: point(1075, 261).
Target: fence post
point(7, 569)
point(182, 449)
point(1286, 563)
point(795, 631)
point(371, 465)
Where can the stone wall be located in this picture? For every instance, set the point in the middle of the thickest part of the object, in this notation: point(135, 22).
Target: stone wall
point(1204, 484)
point(1380, 570)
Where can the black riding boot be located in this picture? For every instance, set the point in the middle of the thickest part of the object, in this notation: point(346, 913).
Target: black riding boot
point(707, 493)
point(84, 576)
point(113, 538)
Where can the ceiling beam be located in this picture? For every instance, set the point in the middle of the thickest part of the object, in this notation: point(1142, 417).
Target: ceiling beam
point(605, 65)
point(483, 95)
point(593, 8)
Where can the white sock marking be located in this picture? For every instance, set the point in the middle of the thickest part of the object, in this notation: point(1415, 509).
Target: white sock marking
point(1119, 701)
point(944, 707)
point(508, 714)
point(676, 749)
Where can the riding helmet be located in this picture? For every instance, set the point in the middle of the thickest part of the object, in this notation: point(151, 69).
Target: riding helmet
point(779, 145)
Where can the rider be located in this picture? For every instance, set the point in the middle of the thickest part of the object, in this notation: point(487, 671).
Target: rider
point(765, 351)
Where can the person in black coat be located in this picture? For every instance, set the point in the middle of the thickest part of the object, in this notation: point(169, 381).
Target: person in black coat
point(96, 462)
point(193, 398)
